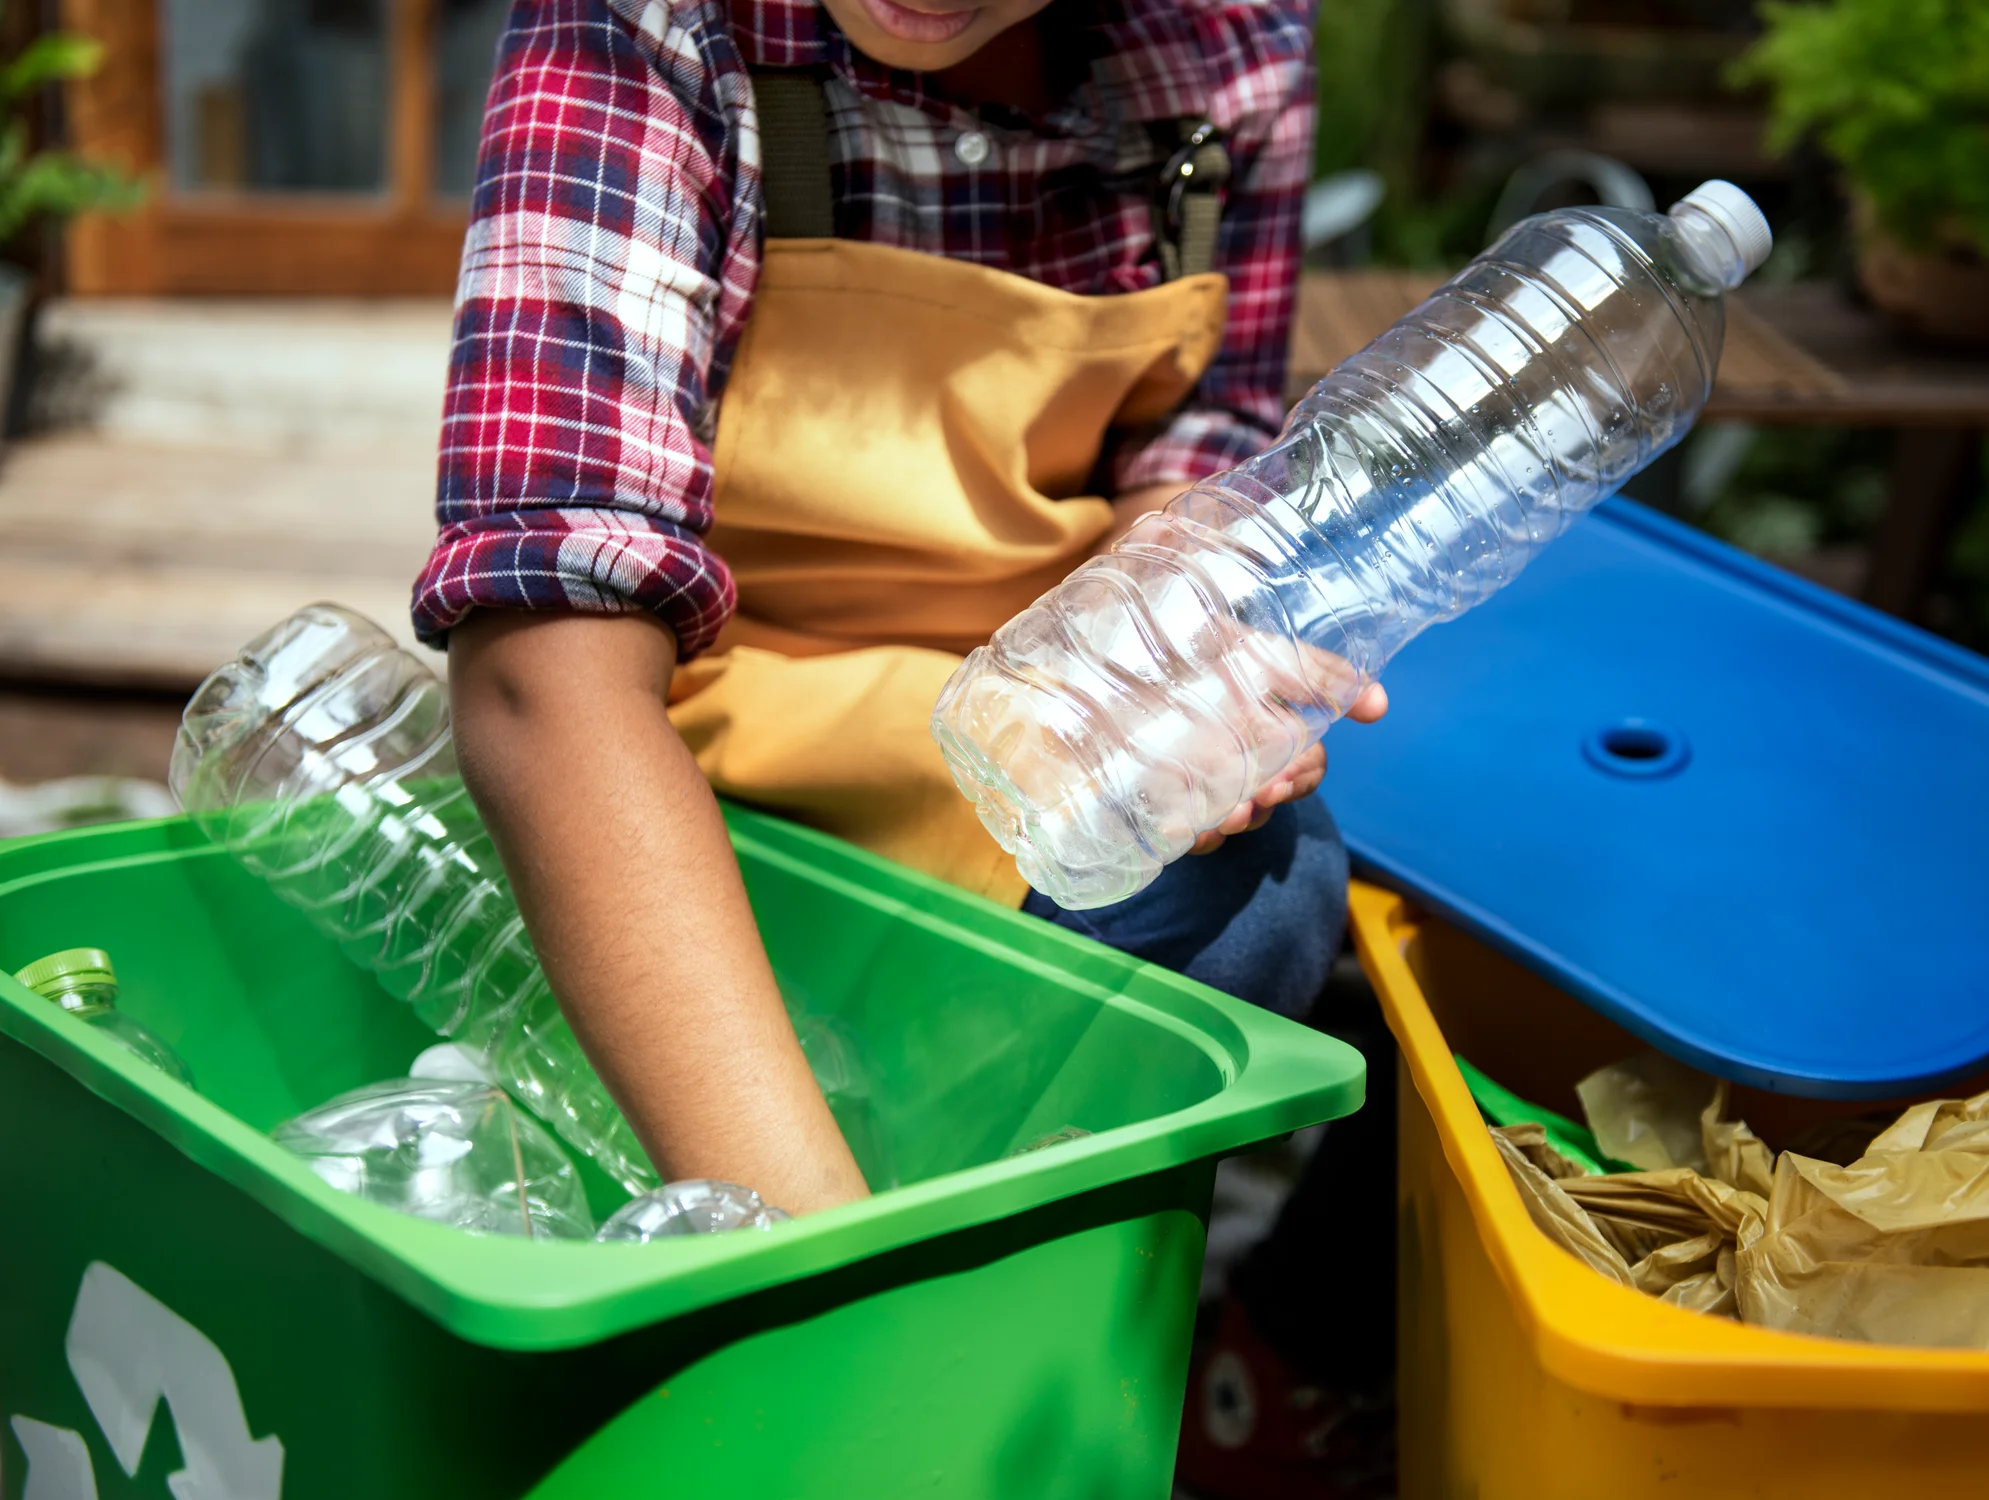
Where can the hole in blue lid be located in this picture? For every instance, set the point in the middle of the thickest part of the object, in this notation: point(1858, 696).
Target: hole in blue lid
point(1636, 747)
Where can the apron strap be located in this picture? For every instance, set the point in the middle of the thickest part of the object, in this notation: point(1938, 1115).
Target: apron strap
point(1191, 192)
point(800, 202)
point(794, 154)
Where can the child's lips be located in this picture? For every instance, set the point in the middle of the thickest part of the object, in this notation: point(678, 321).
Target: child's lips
point(909, 25)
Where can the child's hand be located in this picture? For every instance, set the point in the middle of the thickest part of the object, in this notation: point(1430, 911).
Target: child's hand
point(1299, 779)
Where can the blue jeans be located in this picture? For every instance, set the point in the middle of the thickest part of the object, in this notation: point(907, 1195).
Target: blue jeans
point(1261, 918)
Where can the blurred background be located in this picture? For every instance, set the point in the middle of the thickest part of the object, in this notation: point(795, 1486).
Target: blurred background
point(231, 230)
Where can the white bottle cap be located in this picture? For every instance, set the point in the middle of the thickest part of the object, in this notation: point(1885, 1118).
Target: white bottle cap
point(449, 1062)
point(1738, 215)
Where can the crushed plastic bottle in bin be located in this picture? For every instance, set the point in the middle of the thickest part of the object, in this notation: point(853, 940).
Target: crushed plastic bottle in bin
point(1138, 703)
point(848, 1079)
point(84, 983)
point(455, 1151)
point(698, 1205)
point(322, 759)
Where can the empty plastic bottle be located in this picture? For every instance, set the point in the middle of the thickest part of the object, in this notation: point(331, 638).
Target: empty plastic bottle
point(321, 758)
point(1139, 702)
point(844, 1072)
point(457, 1152)
point(82, 982)
point(698, 1205)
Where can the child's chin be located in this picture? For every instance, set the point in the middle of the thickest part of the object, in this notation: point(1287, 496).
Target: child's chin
point(901, 37)
point(920, 57)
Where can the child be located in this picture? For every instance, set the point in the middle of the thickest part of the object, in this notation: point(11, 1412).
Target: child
point(795, 344)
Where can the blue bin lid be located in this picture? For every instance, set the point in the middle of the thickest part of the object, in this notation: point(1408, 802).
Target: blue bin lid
point(1741, 815)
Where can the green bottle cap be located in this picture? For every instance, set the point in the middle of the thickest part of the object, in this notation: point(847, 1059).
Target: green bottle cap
point(70, 969)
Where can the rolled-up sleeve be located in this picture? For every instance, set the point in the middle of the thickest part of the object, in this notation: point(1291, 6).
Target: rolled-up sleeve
point(608, 267)
point(1238, 406)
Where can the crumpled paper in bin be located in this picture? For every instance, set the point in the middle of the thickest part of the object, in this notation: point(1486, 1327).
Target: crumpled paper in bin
point(1657, 1113)
point(1672, 1234)
point(1893, 1248)
point(1645, 1110)
point(1734, 1154)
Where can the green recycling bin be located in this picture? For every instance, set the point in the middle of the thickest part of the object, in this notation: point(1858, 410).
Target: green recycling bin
point(186, 1310)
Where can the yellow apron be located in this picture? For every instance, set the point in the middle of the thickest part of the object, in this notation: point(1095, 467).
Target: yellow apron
point(900, 457)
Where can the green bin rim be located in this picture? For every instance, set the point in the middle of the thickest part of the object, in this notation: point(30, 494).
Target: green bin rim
point(511, 1293)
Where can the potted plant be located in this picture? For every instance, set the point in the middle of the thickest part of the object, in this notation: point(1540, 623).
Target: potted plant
point(1897, 91)
point(40, 185)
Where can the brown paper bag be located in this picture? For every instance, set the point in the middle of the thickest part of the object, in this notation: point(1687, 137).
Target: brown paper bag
point(1671, 1234)
point(1893, 1248)
point(1735, 1154)
point(1645, 1110)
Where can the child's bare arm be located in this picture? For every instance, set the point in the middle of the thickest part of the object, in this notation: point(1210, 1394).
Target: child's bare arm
point(621, 865)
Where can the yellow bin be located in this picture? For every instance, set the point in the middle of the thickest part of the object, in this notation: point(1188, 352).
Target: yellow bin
point(1527, 1376)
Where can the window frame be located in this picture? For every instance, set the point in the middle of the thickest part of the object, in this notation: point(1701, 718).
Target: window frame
point(404, 241)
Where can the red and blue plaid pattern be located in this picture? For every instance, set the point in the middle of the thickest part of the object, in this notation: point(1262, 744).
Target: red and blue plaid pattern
point(614, 245)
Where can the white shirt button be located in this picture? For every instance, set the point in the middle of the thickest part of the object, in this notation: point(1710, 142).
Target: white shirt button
point(972, 147)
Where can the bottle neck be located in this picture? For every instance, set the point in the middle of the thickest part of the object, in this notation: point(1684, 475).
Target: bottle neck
point(1707, 245)
point(81, 1000)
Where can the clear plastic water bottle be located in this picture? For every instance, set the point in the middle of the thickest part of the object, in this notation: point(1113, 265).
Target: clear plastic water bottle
point(82, 982)
point(699, 1205)
point(1140, 701)
point(457, 1152)
point(848, 1080)
point(321, 758)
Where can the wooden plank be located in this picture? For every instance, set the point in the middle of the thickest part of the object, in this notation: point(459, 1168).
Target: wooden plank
point(1341, 312)
point(411, 122)
point(161, 627)
point(50, 732)
point(1761, 368)
point(189, 554)
point(1885, 379)
point(1793, 354)
point(1677, 138)
point(266, 246)
point(114, 116)
point(359, 515)
point(353, 377)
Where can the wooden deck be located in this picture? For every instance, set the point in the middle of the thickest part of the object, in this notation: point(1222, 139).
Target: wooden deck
point(217, 466)
point(1799, 355)
point(227, 463)
point(1793, 354)
point(146, 566)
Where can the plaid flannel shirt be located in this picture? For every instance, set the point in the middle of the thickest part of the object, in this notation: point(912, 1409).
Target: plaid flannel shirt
point(614, 244)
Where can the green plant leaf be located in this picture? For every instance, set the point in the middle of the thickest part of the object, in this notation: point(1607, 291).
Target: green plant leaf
point(49, 59)
point(1898, 92)
point(51, 183)
point(56, 184)
point(13, 149)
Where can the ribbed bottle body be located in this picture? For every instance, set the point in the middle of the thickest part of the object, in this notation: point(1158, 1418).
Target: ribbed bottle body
point(322, 759)
point(1134, 706)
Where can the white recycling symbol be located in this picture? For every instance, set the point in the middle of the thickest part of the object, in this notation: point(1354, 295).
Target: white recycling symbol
point(128, 1351)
